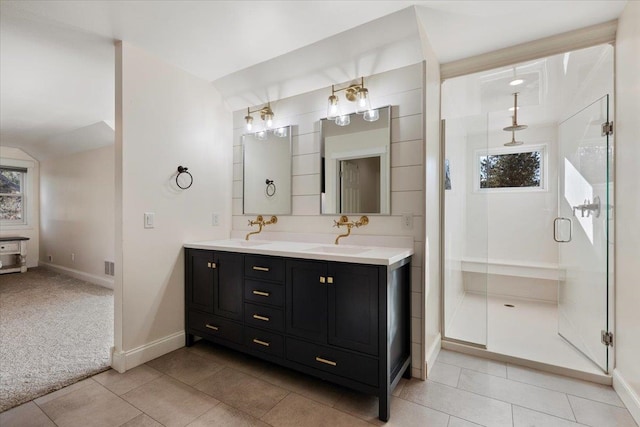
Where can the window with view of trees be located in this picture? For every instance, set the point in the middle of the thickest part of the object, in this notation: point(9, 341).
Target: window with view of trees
point(511, 170)
point(12, 206)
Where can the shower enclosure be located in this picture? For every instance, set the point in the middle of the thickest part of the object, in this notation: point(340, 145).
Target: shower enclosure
point(527, 267)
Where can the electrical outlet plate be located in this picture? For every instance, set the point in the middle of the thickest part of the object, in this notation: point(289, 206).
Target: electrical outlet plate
point(407, 221)
point(215, 219)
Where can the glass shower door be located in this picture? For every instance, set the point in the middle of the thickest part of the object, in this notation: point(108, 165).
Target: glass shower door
point(582, 230)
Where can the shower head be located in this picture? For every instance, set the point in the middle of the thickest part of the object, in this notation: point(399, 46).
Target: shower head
point(514, 123)
point(513, 141)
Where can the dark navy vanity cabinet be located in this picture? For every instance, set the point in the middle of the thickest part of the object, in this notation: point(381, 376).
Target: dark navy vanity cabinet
point(343, 322)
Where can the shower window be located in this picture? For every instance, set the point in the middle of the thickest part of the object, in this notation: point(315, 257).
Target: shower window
point(511, 169)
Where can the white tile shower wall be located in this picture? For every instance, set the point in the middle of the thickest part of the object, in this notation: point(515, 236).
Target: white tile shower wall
point(403, 90)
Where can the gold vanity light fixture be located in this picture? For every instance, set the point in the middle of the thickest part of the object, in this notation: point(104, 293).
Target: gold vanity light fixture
point(266, 114)
point(514, 123)
point(357, 93)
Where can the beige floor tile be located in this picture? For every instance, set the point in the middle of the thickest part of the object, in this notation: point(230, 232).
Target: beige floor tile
point(92, 405)
point(185, 366)
point(523, 417)
point(170, 401)
point(586, 389)
point(295, 410)
point(396, 391)
point(403, 412)
point(123, 383)
point(226, 416)
point(305, 385)
point(462, 360)
point(598, 414)
point(459, 422)
point(26, 415)
point(142, 420)
point(460, 403)
point(227, 357)
point(242, 391)
point(59, 393)
point(532, 397)
point(445, 374)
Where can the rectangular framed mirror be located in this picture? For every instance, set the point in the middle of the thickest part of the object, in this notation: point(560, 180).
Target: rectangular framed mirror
point(356, 165)
point(266, 165)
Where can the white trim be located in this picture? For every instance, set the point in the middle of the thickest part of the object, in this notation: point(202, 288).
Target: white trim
point(628, 396)
point(432, 354)
point(526, 148)
point(121, 361)
point(560, 43)
point(91, 278)
point(532, 270)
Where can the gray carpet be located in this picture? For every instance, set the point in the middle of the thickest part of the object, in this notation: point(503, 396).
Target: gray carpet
point(54, 330)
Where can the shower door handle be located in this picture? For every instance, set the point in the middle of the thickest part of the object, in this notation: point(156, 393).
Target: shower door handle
point(556, 222)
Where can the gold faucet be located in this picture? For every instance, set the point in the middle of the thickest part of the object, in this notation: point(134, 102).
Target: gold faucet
point(260, 222)
point(349, 224)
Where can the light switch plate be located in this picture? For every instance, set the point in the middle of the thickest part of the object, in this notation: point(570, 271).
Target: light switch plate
point(149, 219)
point(215, 219)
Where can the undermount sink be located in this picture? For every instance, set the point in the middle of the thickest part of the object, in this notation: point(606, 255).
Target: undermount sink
point(347, 250)
point(249, 243)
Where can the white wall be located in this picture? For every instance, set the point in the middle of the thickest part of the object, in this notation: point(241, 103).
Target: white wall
point(9, 156)
point(627, 209)
point(77, 213)
point(403, 89)
point(165, 117)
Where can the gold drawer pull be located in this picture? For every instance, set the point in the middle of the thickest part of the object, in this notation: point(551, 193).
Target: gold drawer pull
point(211, 264)
point(257, 316)
point(323, 279)
point(215, 328)
point(330, 280)
point(261, 293)
point(260, 268)
point(264, 343)
point(325, 361)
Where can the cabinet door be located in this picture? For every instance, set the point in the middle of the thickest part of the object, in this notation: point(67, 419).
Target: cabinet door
point(227, 285)
point(353, 307)
point(199, 281)
point(306, 300)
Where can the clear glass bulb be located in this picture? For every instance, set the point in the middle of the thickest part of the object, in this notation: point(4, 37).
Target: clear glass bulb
point(343, 120)
point(249, 121)
point(363, 101)
point(269, 121)
point(371, 115)
point(333, 110)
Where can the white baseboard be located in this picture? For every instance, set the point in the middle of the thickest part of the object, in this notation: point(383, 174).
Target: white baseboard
point(81, 275)
point(628, 396)
point(432, 353)
point(122, 361)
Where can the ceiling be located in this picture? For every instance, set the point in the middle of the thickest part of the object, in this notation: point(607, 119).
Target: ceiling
point(57, 57)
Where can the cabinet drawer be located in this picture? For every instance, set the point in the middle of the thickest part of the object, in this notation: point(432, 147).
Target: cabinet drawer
point(215, 326)
point(264, 292)
point(10, 247)
point(263, 341)
point(359, 368)
point(264, 317)
point(264, 267)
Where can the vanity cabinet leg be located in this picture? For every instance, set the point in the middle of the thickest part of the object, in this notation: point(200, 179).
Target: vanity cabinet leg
point(189, 340)
point(384, 410)
point(407, 372)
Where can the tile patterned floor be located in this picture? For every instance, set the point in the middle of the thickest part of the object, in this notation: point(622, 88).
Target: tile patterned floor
point(207, 385)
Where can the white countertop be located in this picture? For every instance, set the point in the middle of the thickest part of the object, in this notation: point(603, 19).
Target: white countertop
point(342, 253)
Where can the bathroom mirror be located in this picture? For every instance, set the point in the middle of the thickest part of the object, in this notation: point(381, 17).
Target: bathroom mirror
point(356, 165)
point(267, 172)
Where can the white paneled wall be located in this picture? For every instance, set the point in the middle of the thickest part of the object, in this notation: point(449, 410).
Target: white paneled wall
point(403, 90)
